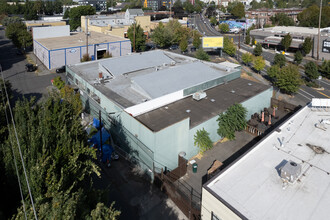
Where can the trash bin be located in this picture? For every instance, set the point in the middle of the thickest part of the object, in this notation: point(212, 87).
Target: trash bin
point(194, 168)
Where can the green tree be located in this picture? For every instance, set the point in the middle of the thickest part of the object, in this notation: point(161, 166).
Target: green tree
point(247, 58)
point(279, 59)
point(232, 120)
point(309, 17)
point(257, 50)
point(102, 212)
point(258, 63)
point(183, 44)
point(57, 158)
point(286, 41)
point(138, 39)
point(287, 79)
point(10, 20)
point(76, 13)
point(202, 140)
point(238, 10)
point(188, 7)
point(229, 47)
point(247, 39)
point(224, 28)
point(298, 57)
point(30, 13)
point(325, 68)
point(197, 39)
point(202, 55)
point(162, 36)
point(281, 19)
point(273, 72)
point(223, 9)
point(253, 41)
point(213, 21)
point(307, 45)
point(311, 70)
point(20, 37)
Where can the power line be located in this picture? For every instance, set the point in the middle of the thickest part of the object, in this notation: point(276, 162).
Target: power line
point(19, 147)
point(12, 148)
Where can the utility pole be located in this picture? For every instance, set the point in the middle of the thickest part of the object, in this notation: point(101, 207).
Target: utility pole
point(101, 147)
point(170, 9)
point(134, 38)
point(318, 39)
point(86, 29)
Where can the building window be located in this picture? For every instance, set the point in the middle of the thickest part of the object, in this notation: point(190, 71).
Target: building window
point(214, 217)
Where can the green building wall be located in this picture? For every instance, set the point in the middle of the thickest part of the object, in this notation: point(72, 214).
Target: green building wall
point(157, 149)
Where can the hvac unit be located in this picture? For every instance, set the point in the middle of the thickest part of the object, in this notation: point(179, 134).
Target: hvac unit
point(199, 95)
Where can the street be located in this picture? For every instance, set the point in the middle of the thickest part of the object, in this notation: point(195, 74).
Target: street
point(23, 83)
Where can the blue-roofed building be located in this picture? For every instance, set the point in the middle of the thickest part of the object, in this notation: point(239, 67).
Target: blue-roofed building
point(154, 102)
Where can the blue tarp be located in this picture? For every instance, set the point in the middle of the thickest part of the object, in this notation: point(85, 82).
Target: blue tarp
point(96, 138)
point(107, 151)
point(96, 123)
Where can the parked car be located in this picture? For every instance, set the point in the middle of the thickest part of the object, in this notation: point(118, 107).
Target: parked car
point(61, 69)
point(30, 67)
point(174, 47)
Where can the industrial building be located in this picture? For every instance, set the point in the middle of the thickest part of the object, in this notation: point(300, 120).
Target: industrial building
point(284, 176)
point(116, 24)
point(271, 37)
point(56, 46)
point(154, 102)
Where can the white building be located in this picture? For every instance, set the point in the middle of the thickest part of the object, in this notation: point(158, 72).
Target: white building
point(285, 176)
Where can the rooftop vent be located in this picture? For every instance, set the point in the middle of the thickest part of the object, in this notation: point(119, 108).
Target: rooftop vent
point(232, 91)
point(188, 110)
point(212, 100)
point(172, 63)
point(290, 172)
point(199, 95)
point(250, 84)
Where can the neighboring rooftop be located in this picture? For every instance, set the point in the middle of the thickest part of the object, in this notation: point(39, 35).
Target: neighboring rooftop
point(253, 185)
point(77, 39)
point(289, 29)
point(43, 22)
point(218, 100)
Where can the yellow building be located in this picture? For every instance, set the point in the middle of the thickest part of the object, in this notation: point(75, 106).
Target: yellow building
point(116, 25)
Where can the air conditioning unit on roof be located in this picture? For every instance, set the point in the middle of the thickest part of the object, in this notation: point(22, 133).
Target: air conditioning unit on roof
point(199, 95)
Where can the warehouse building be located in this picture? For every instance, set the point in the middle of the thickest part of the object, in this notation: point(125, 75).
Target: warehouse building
point(154, 102)
point(271, 37)
point(285, 176)
point(56, 46)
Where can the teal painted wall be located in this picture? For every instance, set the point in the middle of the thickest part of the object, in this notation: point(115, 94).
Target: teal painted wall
point(164, 146)
point(169, 142)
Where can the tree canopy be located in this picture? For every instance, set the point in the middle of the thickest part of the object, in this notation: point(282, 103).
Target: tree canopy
point(229, 47)
point(287, 78)
point(281, 19)
point(309, 17)
point(258, 63)
point(138, 39)
point(224, 28)
point(325, 68)
point(279, 59)
point(247, 58)
point(76, 13)
point(202, 55)
point(298, 57)
point(57, 158)
point(286, 41)
point(238, 10)
point(307, 45)
point(202, 140)
point(311, 70)
point(232, 120)
point(257, 50)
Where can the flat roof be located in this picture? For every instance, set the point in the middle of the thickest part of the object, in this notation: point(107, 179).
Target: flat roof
point(289, 29)
point(77, 40)
point(253, 187)
point(137, 78)
point(218, 100)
